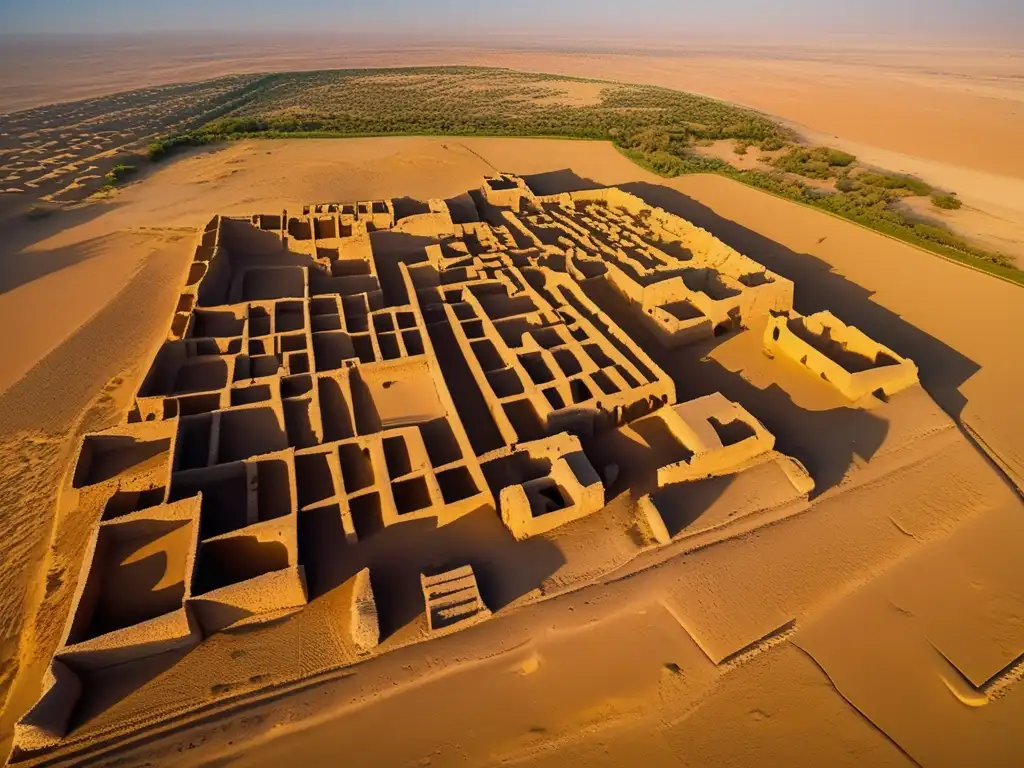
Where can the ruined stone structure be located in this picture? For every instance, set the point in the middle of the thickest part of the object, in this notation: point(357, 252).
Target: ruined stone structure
point(718, 437)
point(569, 490)
point(846, 358)
point(377, 363)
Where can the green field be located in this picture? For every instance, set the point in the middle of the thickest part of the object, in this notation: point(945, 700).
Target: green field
point(658, 128)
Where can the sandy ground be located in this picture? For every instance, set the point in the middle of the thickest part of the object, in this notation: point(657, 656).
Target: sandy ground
point(725, 150)
point(89, 294)
point(1003, 233)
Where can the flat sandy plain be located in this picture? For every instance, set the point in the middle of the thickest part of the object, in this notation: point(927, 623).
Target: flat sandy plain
point(952, 115)
point(881, 627)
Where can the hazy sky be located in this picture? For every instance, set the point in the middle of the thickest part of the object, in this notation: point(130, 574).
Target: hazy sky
point(545, 18)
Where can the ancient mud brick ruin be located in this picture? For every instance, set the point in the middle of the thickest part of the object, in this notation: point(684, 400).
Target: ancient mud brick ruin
point(367, 365)
point(840, 354)
point(452, 600)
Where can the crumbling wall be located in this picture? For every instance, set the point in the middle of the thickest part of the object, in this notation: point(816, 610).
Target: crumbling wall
point(506, 190)
point(570, 490)
point(839, 354)
point(719, 435)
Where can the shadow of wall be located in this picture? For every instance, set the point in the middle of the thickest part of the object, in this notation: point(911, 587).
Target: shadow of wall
point(557, 182)
point(824, 441)
point(397, 554)
point(942, 369)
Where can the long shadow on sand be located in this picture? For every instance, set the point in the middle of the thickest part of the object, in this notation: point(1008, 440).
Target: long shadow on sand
point(557, 182)
point(389, 250)
point(824, 441)
point(638, 451)
point(105, 688)
point(23, 230)
point(943, 370)
point(505, 568)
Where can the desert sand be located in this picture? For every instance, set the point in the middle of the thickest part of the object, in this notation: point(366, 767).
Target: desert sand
point(950, 115)
point(610, 644)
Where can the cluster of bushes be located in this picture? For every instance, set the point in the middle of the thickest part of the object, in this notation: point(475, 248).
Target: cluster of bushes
point(813, 162)
point(120, 172)
point(669, 164)
point(163, 148)
point(948, 202)
point(772, 144)
point(896, 181)
point(868, 204)
point(467, 101)
point(655, 127)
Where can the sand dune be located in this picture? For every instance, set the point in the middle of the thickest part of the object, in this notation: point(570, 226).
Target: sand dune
point(902, 488)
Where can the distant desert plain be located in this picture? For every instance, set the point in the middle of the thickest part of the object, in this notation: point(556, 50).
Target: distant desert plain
point(851, 596)
point(952, 114)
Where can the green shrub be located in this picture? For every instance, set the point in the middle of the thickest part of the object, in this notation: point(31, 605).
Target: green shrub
point(839, 158)
point(845, 184)
point(896, 181)
point(164, 148)
point(948, 202)
point(813, 162)
point(117, 174)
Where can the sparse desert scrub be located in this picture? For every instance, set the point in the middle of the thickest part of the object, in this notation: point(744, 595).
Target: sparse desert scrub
point(469, 101)
point(896, 182)
point(117, 175)
point(772, 144)
point(120, 172)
